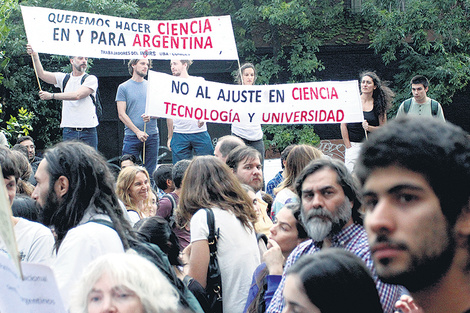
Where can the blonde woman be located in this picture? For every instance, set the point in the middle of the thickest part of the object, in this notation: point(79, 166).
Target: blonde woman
point(296, 160)
point(209, 183)
point(133, 187)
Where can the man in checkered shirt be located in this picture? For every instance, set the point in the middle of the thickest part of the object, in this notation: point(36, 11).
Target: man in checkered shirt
point(330, 213)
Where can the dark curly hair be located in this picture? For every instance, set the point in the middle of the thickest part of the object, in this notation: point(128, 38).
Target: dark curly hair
point(382, 94)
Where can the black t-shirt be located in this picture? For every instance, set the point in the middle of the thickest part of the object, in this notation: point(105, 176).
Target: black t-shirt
point(355, 130)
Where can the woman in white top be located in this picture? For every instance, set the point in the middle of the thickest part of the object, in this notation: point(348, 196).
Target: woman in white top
point(252, 135)
point(132, 188)
point(209, 183)
point(296, 160)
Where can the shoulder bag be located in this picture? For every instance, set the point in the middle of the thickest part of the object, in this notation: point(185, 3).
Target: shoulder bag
point(214, 278)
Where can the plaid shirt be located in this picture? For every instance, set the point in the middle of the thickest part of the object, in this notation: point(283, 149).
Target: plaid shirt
point(353, 239)
point(273, 183)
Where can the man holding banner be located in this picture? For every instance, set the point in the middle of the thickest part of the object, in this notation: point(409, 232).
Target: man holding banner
point(187, 135)
point(79, 118)
point(140, 129)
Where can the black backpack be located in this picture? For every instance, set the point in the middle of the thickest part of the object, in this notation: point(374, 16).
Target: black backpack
point(434, 106)
point(96, 101)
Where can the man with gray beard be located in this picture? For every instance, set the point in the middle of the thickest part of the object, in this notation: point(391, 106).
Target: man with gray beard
point(330, 213)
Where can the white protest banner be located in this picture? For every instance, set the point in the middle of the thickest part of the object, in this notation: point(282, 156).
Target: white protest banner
point(100, 36)
point(36, 293)
point(7, 235)
point(299, 103)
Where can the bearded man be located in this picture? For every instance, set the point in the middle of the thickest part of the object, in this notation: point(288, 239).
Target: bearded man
point(415, 174)
point(78, 89)
point(74, 188)
point(139, 129)
point(330, 214)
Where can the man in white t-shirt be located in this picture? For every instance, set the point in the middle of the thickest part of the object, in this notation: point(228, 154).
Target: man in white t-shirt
point(186, 136)
point(79, 119)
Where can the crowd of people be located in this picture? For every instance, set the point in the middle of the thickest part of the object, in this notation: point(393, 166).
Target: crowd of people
point(386, 230)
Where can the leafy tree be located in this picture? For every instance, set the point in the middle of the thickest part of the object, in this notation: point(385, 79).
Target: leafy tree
point(19, 88)
point(295, 30)
point(428, 37)
point(280, 136)
point(282, 38)
point(5, 10)
point(164, 9)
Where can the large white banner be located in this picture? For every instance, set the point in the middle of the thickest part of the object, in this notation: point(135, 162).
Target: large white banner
point(100, 36)
point(299, 103)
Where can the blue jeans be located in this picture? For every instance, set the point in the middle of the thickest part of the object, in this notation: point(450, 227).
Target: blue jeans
point(182, 145)
point(132, 145)
point(86, 135)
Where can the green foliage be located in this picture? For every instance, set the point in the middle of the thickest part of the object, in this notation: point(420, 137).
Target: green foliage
point(19, 126)
point(280, 136)
point(295, 30)
point(163, 9)
point(121, 8)
point(19, 88)
point(427, 37)
point(5, 10)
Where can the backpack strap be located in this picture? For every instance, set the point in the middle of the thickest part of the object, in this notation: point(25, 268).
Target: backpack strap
point(434, 107)
point(172, 200)
point(91, 94)
point(103, 222)
point(67, 77)
point(65, 81)
point(172, 217)
point(83, 78)
point(406, 105)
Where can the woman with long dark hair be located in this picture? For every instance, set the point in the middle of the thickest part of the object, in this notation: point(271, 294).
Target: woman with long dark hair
point(209, 183)
point(330, 281)
point(376, 98)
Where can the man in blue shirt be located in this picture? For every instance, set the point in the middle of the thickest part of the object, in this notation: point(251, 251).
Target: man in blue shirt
point(139, 128)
